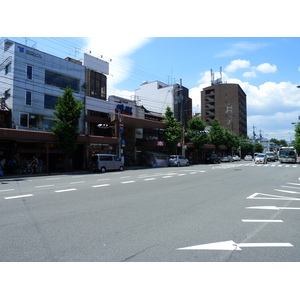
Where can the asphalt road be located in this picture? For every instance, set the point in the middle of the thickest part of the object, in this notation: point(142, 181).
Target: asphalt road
point(231, 212)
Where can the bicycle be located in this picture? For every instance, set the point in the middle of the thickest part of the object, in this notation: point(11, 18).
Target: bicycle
point(28, 170)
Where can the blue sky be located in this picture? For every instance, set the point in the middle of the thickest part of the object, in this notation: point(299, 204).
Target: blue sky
point(267, 69)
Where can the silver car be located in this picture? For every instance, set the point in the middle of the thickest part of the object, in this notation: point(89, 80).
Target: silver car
point(260, 158)
point(178, 161)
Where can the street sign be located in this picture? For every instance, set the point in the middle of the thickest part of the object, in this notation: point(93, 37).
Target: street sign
point(121, 125)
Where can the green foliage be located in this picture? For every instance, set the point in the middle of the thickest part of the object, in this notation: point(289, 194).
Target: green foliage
point(257, 147)
point(231, 140)
point(173, 133)
point(195, 133)
point(296, 142)
point(67, 112)
point(279, 142)
point(217, 134)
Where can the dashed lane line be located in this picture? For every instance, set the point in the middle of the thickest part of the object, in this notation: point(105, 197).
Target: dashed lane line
point(101, 185)
point(67, 190)
point(19, 196)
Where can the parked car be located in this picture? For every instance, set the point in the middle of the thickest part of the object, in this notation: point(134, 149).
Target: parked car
point(227, 158)
point(106, 162)
point(178, 161)
point(212, 158)
point(236, 158)
point(248, 157)
point(271, 156)
point(261, 158)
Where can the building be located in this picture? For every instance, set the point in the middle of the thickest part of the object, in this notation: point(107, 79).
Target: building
point(157, 96)
point(31, 81)
point(226, 102)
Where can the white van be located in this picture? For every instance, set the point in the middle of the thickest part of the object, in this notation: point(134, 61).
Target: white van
point(106, 162)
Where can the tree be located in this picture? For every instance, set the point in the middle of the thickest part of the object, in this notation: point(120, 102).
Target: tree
point(279, 142)
point(296, 142)
point(67, 112)
point(216, 134)
point(172, 135)
point(258, 147)
point(196, 134)
point(231, 140)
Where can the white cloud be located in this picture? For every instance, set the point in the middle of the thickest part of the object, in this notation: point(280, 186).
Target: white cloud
point(249, 74)
point(266, 68)
point(271, 107)
point(240, 48)
point(237, 64)
point(118, 51)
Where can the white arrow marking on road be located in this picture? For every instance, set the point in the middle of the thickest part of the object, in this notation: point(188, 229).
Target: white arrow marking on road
point(270, 197)
point(271, 221)
point(272, 207)
point(290, 192)
point(231, 245)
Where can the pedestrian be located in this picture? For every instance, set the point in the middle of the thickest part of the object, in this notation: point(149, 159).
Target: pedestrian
point(35, 163)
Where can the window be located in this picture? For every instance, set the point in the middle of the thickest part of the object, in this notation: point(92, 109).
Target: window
point(62, 81)
point(28, 98)
point(7, 68)
point(29, 72)
point(23, 119)
point(50, 101)
point(97, 85)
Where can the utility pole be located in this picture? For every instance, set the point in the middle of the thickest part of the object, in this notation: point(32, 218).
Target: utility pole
point(181, 119)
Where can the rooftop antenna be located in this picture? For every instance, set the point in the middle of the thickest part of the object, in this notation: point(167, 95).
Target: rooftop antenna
point(212, 77)
point(221, 73)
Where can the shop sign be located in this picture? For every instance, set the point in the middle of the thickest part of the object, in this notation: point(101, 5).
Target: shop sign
point(127, 110)
point(160, 143)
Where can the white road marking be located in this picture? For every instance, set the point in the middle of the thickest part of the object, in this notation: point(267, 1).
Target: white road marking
point(103, 179)
point(168, 176)
point(78, 176)
point(125, 182)
point(148, 179)
point(284, 191)
point(9, 190)
point(100, 185)
point(54, 178)
point(263, 221)
point(231, 245)
point(42, 186)
point(270, 197)
point(273, 207)
point(20, 196)
point(68, 190)
point(77, 182)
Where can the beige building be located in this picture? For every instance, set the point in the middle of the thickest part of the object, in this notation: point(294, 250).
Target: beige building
point(226, 102)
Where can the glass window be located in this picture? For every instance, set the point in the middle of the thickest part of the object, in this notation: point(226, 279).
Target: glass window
point(61, 80)
point(7, 68)
point(29, 72)
point(28, 98)
point(23, 120)
point(50, 101)
point(97, 85)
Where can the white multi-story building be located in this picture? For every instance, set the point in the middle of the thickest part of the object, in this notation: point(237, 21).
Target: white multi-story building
point(31, 82)
point(156, 96)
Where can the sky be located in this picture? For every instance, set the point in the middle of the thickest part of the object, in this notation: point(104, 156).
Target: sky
point(266, 68)
point(258, 48)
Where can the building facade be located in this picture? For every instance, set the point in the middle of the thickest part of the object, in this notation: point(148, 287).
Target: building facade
point(228, 103)
point(31, 82)
point(157, 96)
